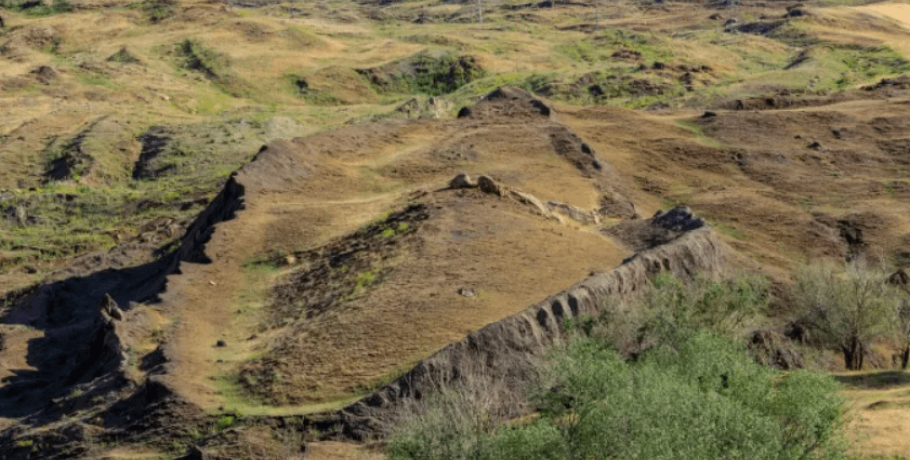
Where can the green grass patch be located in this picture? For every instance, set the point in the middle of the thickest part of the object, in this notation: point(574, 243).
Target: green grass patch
point(729, 231)
point(699, 133)
point(601, 46)
point(364, 281)
point(224, 422)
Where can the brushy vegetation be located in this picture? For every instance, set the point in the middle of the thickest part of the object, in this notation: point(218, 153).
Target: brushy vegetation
point(691, 394)
point(848, 310)
point(158, 10)
point(673, 309)
point(424, 73)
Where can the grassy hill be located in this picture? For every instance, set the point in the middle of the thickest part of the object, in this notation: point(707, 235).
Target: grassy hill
point(134, 163)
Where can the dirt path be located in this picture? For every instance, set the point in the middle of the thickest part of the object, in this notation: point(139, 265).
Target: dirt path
point(206, 298)
point(201, 299)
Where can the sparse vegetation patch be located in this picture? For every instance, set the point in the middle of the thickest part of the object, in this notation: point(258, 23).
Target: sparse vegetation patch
point(425, 73)
point(334, 277)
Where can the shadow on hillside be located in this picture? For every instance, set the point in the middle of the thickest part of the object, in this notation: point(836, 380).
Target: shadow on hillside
point(876, 380)
point(67, 311)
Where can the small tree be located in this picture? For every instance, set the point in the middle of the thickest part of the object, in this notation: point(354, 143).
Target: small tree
point(846, 310)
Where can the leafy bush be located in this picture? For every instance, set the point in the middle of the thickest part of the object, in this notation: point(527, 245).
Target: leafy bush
point(705, 400)
point(673, 309)
point(691, 394)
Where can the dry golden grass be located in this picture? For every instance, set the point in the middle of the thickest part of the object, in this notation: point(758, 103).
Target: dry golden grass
point(878, 408)
point(514, 257)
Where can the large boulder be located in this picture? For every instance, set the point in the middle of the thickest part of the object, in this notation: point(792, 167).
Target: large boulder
point(488, 185)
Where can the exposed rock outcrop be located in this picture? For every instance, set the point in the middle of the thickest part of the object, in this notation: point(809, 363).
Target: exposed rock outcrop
point(508, 101)
point(431, 107)
point(108, 350)
point(551, 210)
point(462, 181)
point(574, 212)
point(660, 229)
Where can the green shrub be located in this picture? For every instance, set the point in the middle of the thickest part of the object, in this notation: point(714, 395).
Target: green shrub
point(673, 309)
point(424, 73)
point(691, 394)
point(705, 399)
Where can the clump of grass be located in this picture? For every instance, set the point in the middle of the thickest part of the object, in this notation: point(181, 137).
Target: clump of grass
point(730, 231)
point(301, 88)
point(224, 422)
point(200, 58)
point(364, 281)
point(302, 37)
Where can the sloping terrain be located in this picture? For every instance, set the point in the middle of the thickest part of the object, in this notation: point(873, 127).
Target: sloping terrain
point(453, 261)
point(493, 247)
point(248, 228)
point(785, 184)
